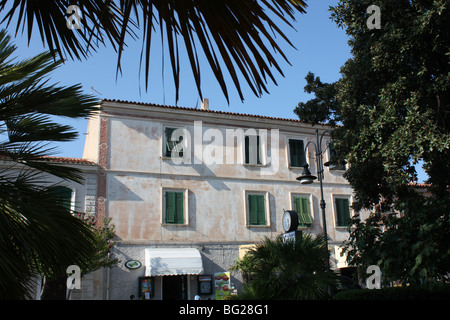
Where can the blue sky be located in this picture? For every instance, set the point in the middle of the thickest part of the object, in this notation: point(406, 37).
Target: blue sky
point(320, 47)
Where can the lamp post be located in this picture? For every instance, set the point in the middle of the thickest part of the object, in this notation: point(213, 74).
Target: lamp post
point(308, 178)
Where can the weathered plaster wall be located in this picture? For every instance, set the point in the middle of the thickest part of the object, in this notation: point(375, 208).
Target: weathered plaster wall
point(137, 174)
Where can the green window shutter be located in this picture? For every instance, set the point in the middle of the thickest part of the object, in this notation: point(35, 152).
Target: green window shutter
point(293, 154)
point(343, 212)
point(297, 153)
point(306, 215)
point(257, 213)
point(258, 150)
point(179, 202)
point(247, 149)
point(170, 207)
point(63, 194)
point(253, 209)
point(301, 206)
point(261, 211)
point(174, 207)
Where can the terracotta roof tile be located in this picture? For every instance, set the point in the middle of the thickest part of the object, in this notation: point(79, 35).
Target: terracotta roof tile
point(419, 185)
point(63, 160)
point(208, 111)
point(68, 160)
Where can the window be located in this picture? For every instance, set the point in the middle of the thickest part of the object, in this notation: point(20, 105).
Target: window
point(297, 156)
point(253, 149)
point(172, 148)
point(63, 194)
point(332, 165)
point(174, 207)
point(301, 206)
point(342, 209)
point(256, 209)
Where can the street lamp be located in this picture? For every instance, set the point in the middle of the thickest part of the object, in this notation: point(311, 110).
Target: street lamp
point(308, 178)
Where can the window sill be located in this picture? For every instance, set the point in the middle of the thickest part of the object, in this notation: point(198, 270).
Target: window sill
point(174, 224)
point(257, 226)
point(254, 165)
point(341, 227)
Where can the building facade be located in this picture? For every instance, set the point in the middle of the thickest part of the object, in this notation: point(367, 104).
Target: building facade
point(188, 190)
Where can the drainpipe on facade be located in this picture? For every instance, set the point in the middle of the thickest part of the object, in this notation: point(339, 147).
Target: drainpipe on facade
point(107, 284)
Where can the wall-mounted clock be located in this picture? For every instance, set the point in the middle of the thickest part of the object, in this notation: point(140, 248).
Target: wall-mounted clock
point(290, 221)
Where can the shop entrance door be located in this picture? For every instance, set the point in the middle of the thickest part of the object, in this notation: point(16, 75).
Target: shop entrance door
point(175, 287)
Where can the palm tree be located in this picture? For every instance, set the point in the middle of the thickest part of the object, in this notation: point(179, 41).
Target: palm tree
point(232, 34)
point(38, 233)
point(279, 269)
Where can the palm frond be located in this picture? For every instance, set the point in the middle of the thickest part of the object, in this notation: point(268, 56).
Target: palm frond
point(38, 233)
point(288, 269)
point(239, 36)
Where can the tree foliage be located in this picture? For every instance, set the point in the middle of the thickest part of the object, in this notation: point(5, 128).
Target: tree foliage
point(320, 109)
point(393, 106)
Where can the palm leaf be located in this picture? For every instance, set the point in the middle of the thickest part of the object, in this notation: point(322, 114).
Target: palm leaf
point(38, 233)
point(232, 34)
point(288, 269)
point(26, 103)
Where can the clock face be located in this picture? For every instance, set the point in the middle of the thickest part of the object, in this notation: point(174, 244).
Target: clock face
point(286, 221)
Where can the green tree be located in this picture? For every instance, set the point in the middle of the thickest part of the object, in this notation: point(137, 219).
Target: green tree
point(38, 232)
point(413, 249)
point(54, 285)
point(279, 269)
point(232, 35)
point(322, 108)
point(392, 104)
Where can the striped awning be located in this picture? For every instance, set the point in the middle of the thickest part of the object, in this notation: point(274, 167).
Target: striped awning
point(172, 261)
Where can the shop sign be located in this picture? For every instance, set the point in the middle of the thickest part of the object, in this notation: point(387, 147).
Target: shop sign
point(222, 285)
point(205, 284)
point(133, 264)
point(146, 288)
